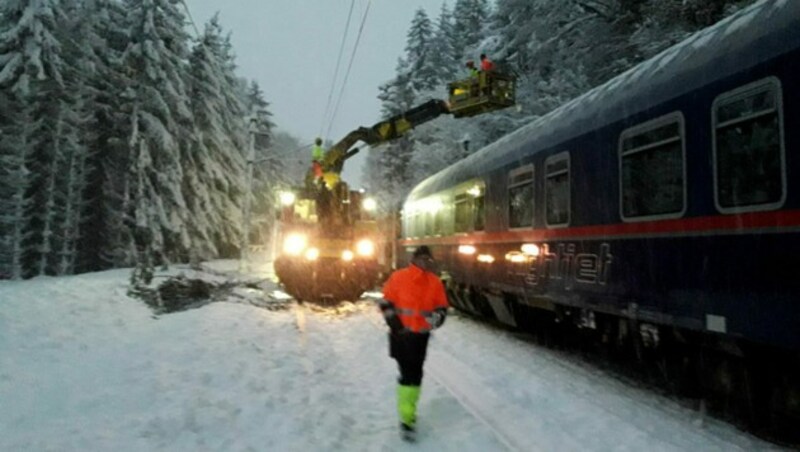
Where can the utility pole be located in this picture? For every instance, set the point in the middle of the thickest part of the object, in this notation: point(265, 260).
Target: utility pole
point(396, 216)
point(244, 253)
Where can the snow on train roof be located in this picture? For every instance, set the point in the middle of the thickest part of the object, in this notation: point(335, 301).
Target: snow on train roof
point(639, 88)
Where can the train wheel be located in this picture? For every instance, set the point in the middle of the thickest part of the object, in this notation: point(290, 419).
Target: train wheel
point(784, 402)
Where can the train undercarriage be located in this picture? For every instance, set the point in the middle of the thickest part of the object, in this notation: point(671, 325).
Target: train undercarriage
point(753, 385)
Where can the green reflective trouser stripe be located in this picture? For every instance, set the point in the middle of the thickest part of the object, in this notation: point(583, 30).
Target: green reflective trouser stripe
point(407, 397)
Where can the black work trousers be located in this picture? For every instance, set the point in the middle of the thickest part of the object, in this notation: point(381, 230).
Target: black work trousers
point(409, 350)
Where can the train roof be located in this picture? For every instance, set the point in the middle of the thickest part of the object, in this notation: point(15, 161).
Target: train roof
point(760, 32)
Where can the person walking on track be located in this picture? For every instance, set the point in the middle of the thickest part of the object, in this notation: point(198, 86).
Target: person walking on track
point(414, 303)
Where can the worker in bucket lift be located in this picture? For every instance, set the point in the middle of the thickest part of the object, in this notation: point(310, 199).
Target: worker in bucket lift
point(487, 65)
point(471, 69)
point(317, 155)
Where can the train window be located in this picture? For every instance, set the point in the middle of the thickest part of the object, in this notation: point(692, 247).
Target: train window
point(429, 218)
point(479, 223)
point(556, 189)
point(652, 169)
point(419, 224)
point(463, 218)
point(436, 221)
point(403, 230)
point(749, 155)
point(520, 197)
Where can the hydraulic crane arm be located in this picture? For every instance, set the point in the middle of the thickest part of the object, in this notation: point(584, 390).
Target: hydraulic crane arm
point(381, 132)
point(488, 92)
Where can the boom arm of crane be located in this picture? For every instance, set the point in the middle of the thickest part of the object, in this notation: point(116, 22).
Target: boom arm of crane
point(469, 97)
point(381, 132)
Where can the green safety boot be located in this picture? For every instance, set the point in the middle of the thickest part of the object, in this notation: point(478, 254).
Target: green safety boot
point(407, 397)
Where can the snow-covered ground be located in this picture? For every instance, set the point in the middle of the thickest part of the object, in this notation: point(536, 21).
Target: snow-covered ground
point(83, 367)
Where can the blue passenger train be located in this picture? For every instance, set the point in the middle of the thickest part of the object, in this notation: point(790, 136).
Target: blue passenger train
point(661, 207)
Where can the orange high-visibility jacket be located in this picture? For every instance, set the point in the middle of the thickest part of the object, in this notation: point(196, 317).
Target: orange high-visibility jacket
point(415, 293)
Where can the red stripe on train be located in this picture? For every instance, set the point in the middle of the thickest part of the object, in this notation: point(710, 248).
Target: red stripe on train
point(699, 225)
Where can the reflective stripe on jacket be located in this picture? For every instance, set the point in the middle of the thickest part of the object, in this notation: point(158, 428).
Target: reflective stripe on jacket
point(415, 294)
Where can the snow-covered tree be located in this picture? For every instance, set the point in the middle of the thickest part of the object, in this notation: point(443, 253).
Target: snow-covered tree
point(272, 160)
point(471, 19)
point(258, 111)
point(423, 73)
point(214, 162)
point(444, 57)
point(397, 95)
point(388, 169)
point(161, 124)
point(33, 70)
point(665, 23)
point(294, 158)
point(106, 132)
point(13, 187)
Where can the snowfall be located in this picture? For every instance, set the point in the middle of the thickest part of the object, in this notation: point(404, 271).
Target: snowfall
point(85, 367)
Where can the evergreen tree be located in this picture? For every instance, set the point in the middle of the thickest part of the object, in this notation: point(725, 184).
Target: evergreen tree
point(258, 110)
point(71, 178)
point(106, 132)
point(471, 21)
point(397, 95)
point(665, 23)
point(161, 124)
point(34, 72)
point(444, 57)
point(389, 170)
point(214, 164)
point(422, 72)
point(13, 186)
point(270, 169)
point(515, 26)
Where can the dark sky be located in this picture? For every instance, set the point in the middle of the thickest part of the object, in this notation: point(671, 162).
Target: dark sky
point(290, 47)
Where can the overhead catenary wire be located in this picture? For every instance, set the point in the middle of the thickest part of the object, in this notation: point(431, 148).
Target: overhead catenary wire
point(201, 41)
point(349, 67)
point(336, 71)
point(191, 21)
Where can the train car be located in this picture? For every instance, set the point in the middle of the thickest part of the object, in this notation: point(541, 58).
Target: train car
point(661, 208)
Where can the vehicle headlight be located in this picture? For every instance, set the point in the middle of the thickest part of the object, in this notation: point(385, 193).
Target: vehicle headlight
point(287, 198)
point(312, 254)
point(365, 248)
point(347, 255)
point(294, 244)
point(369, 205)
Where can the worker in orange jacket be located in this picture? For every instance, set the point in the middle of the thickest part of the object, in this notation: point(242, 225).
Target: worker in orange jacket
point(487, 65)
point(414, 303)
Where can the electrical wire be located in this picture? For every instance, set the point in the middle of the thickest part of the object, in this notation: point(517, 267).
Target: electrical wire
point(349, 66)
point(200, 39)
point(336, 71)
point(191, 21)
